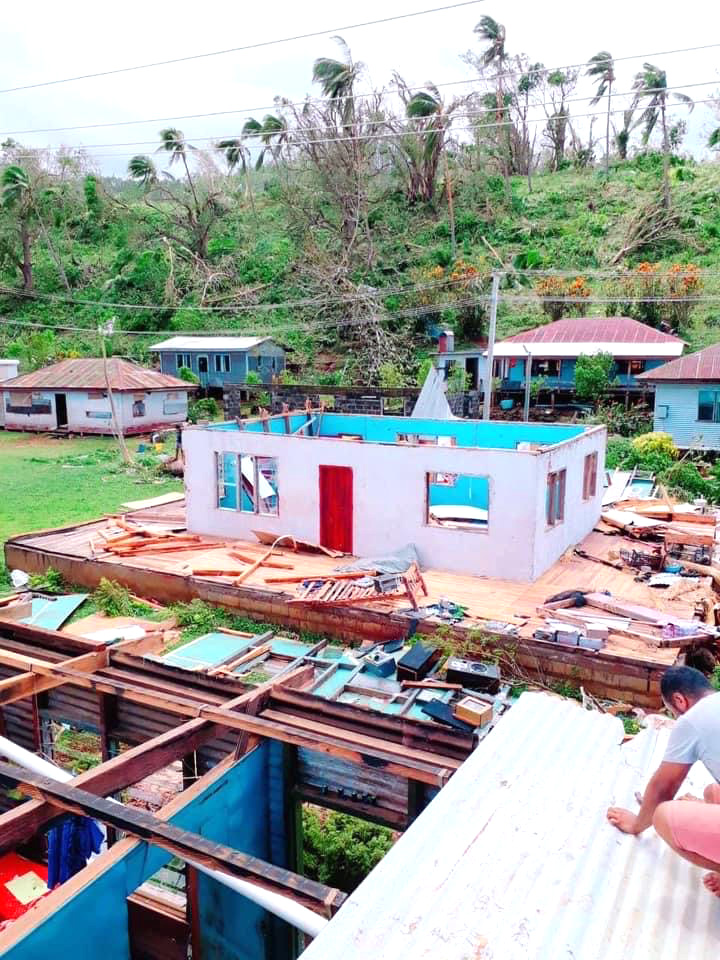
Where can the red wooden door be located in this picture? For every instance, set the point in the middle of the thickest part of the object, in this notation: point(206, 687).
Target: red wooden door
point(336, 508)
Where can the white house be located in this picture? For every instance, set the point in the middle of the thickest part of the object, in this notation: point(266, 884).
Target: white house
point(687, 399)
point(72, 395)
point(485, 498)
point(8, 370)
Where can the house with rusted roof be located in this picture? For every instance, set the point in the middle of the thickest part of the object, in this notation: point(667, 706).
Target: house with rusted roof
point(552, 350)
point(73, 396)
point(687, 398)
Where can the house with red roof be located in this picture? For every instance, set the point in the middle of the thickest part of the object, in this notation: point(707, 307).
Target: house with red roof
point(687, 398)
point(553, 349)
point(72, 395)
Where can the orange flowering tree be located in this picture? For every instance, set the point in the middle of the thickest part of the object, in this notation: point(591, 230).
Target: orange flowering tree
point(562, 295)
point(661, 296)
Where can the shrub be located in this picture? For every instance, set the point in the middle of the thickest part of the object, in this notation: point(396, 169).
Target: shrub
point(592, 376)
point(204, 409)
point(186, 374)
point(253, 378)
point(341, 850)
point(620, 453)
point(657, 442)
point(114, 600)
point(49, 582)
point(622, 422)
point(685, 480)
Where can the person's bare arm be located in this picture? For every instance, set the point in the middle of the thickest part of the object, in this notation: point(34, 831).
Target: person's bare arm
point(665, 783)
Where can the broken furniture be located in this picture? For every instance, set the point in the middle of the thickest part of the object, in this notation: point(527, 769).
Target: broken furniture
point(342, 590)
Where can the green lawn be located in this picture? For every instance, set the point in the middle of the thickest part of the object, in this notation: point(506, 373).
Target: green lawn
point(51, 483)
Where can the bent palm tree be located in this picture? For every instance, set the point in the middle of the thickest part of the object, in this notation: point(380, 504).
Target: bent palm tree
point(143, 170)
point(602, 68)
point(272, 133)
point(237, 155)
point(428, 105)
point(173, 140)
point(493, 34)
point(337, 81)
point(18, 191)
point(651, 87)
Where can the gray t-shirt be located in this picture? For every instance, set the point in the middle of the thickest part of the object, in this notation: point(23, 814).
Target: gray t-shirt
point(696, 736)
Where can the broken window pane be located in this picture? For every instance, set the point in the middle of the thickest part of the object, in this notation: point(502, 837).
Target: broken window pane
point(247, 474)
point(268, 501)
point(457, 500)
point(555, 499)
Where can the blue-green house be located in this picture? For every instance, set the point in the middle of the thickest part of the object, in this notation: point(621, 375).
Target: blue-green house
point(552, 351)
point(220, 360)
point(687, 399)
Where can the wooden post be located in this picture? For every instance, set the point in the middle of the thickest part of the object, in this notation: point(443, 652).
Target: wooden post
point(488, 386)
point(125, 453)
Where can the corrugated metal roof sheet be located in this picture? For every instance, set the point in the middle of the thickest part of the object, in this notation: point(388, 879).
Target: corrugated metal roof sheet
point(703, 365)
point(89, 374)
point(515, 860)
point(209, 343)
point(593, 329)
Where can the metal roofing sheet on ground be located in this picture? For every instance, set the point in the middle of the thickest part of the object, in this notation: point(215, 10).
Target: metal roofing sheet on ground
point(515, 860)
point(89, 374)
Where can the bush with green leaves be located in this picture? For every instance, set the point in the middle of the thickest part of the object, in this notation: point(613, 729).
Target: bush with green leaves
point(206, 408)
point(655, 442)
point(186, 374)
point(621, 422)
point(341, 850)
point(592, 376)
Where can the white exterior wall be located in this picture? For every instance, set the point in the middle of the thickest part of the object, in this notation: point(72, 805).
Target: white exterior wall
point(580, 515)
point(389, 498)
point(79, 404)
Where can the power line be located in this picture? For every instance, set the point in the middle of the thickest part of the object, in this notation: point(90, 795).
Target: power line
point(409, 121)
point(354, 96)
point(364, 137)
point(250, 46)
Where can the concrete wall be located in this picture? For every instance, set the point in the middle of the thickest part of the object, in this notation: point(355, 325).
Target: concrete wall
point(337, 399)
point(681, 422)
point(89, 414)
point(389, 498)
point(580, 515)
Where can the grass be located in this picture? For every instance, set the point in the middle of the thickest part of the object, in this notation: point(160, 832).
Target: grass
point(51, 483)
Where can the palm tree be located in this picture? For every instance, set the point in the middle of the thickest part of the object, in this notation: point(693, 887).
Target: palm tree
point(18, 191)
point(602, 68)
point(143, 170)
point(493, 34)
point(173, 140)
point(651, 87)
point(337, 80)
point(428, 105)
point(237, 155)
point(272, 133)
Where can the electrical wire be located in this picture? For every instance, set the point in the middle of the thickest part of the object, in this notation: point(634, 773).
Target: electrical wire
point(249, 46)
point(313, 100)
point(370, 137)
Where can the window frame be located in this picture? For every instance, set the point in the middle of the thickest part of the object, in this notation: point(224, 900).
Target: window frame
point(536, 362)
point(221, 484)
point(183, 360)
point(590, 470)
point(222, 363)
point(555, 497)
point(431, 480)
point(714, 404)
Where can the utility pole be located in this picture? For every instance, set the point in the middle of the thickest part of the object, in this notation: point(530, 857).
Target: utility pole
point(528, 372)
point(487, 387)
point(117, 425)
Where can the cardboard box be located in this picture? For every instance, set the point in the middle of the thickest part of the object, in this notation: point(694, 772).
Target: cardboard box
point(474, 712)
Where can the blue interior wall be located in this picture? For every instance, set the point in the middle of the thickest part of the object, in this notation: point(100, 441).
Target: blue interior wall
point(233, 810)
point(468, 491)
point(378, 429)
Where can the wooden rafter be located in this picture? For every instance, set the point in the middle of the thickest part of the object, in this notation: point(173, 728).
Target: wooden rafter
point(182, 843)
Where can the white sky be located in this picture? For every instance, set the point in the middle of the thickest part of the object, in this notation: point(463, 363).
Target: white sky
point(48, 40)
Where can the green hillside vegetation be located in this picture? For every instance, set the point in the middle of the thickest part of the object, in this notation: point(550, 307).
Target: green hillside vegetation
point(372, 218)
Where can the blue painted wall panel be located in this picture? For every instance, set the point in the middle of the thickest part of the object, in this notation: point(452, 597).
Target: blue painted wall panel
point(94, 923)
point(681, 400)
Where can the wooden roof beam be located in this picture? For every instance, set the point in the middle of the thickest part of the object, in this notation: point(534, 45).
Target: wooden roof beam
point(181, 843)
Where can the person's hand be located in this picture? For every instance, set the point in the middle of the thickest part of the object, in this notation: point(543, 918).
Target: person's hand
point(624, 820)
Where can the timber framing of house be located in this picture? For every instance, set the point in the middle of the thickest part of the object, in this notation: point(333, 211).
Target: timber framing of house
point(215, 721)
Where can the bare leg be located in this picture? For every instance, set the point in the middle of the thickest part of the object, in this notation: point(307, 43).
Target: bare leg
point(662, 826)
point(712, 793)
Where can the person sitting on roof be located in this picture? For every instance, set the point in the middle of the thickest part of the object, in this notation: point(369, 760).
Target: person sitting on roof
point(690, 826)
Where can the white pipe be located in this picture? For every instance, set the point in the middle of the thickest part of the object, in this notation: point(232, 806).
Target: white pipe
point(282, 907)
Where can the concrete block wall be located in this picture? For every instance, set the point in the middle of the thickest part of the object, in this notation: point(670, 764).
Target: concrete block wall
point(336, 399)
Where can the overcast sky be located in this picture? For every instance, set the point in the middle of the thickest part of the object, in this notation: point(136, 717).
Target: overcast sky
point(47, 40)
